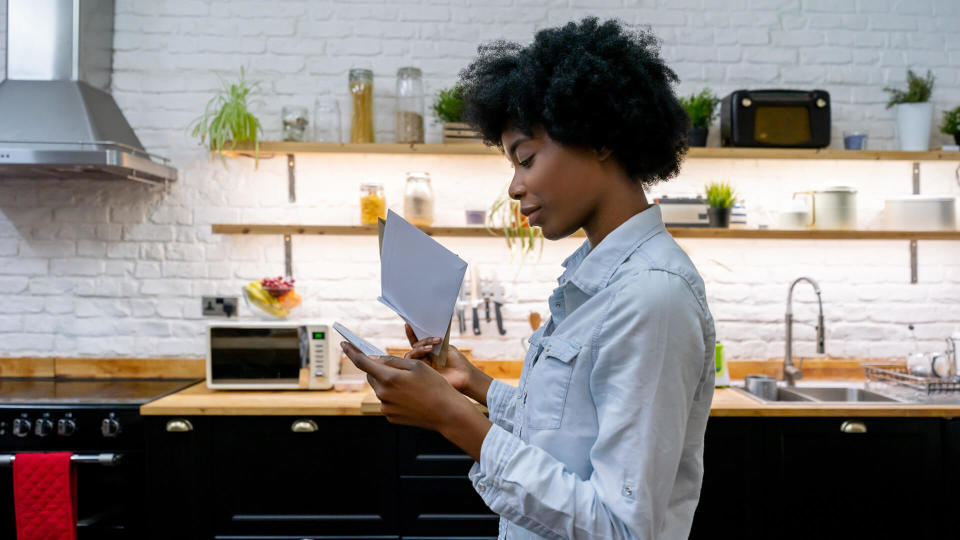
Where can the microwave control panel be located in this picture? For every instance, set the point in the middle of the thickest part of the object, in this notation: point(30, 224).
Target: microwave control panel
point(324, 357)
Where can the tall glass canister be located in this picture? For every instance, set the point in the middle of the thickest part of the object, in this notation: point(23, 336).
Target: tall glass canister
point(409, 108)
point(361, 92)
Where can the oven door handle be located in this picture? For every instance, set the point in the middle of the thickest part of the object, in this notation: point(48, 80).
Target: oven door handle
point(107, 459)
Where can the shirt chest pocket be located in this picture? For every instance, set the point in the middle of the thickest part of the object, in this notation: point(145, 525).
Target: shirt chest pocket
point(545, 395)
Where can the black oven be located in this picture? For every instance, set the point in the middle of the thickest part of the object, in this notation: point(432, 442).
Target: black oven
point(99, 422)
point(776, 119)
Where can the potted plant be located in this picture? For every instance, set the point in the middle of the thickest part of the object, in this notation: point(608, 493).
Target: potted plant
point(720, 198)
point(951, 124)
point(227, 118)
point(504, 214)
point(448, 108)
point(914, 111)
point(702, 110)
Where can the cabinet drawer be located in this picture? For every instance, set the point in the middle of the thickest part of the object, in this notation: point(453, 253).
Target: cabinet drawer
point(427, 453)
point(446, 507)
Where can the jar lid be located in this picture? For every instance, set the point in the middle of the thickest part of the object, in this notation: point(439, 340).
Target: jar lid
point(361, 73)
point(371, 186)
point(418, 174)
point(409, 72)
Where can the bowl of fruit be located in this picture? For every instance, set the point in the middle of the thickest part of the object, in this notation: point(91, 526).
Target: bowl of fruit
point(274, 298)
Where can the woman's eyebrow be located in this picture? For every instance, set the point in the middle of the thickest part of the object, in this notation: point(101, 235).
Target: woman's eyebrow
point(516, 143)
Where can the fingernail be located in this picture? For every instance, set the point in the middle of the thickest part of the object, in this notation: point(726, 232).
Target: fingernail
point(436, 340)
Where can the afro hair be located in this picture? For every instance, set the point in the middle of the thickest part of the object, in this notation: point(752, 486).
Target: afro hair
point(587, 84)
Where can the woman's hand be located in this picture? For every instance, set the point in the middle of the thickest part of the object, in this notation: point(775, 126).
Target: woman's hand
point(414, 394)
point(459, 372)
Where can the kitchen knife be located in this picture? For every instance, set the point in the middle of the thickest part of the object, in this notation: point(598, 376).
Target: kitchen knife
point(498, 299)
point(475, 298)
point(461, 319)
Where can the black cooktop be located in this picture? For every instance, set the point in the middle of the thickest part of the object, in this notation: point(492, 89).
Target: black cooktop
point(86, 392)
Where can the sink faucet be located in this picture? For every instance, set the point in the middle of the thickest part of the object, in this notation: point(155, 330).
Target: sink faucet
point(790, 372)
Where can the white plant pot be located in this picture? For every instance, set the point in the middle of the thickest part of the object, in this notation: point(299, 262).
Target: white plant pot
point(913, 126)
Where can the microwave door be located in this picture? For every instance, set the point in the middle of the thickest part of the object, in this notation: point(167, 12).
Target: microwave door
point(255, 357)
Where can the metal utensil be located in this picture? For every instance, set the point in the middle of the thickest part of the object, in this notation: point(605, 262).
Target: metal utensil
point(461, 304)
point(762, 386)
point(498, 300)
point(475, 298)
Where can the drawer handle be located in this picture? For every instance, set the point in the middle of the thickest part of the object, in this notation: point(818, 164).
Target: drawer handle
point(179, 426)
point(853, 426)
point(303, 426)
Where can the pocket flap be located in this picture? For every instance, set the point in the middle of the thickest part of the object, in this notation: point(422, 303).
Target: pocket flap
point(561, 349)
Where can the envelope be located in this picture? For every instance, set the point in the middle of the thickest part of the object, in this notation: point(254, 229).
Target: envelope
point(419, 280)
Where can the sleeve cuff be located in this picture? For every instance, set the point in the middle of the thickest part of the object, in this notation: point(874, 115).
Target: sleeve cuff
point(497, 451)
point(498, 398)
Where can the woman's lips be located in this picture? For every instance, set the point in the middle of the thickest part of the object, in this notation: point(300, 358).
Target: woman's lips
point(531, 213)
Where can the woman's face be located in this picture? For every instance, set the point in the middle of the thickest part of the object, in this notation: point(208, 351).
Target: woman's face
point(558, 186)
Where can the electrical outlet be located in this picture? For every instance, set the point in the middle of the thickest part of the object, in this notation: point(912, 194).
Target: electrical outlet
point(219, 306)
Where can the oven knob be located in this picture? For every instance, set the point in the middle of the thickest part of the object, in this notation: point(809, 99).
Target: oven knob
point(110, 427)
point(821, 102)
point(746, 102)
point(43, 427)
point(21, 427)
point(66, 427)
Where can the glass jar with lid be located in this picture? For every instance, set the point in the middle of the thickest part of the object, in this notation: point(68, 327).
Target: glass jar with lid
point(409, 108)
point(361, 92)
point(373, 203)
point(418, 199)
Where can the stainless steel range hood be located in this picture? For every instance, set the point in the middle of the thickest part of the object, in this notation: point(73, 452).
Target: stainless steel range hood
point(56, 117)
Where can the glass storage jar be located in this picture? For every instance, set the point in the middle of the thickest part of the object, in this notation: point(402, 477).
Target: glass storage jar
point(418, 199)
point(409, 108)
point(373, 203)
point(294, 123)
point(361, 92)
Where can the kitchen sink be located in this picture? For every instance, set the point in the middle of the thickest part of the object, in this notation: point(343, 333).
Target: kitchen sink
point(823, 394)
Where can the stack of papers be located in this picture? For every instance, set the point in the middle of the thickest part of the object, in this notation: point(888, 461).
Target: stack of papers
point(419, 280)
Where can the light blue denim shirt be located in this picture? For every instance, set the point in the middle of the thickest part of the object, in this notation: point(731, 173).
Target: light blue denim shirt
point(603, 438)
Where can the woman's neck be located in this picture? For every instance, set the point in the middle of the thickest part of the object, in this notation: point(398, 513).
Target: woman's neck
point(615, 209)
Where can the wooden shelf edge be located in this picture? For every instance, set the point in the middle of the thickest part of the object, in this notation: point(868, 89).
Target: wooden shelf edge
point(280, 147)
point(677, 232)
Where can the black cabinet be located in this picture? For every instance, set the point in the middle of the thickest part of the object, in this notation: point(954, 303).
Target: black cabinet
point(175, 494)
point(303, 477)
point(822, 478)
point(437, 499)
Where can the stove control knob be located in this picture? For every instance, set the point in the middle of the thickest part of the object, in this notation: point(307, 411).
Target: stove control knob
point(21, 427)
point(43, 427)
point(66, 427)
point(110, 427)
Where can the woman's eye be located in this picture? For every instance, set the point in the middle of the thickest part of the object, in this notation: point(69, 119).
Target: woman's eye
point(527, 162)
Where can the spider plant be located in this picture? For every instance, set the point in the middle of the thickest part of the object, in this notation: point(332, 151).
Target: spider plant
point(504, 215)
point(226, 118)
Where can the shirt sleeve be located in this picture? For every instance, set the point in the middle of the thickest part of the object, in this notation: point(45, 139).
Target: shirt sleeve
point(650, 362)
point(501, 403)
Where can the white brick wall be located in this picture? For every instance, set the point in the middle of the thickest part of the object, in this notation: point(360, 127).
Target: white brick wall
point(113, 269)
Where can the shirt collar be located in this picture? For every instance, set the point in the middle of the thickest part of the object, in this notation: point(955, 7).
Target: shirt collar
point(591, 269)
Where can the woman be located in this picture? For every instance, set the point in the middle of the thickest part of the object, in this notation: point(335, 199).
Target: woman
point(603, 437)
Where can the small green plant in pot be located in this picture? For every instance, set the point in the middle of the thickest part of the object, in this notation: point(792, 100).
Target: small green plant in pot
point(914, 111)
point(720, 198)
point(226, 120)
point(504, 216)
point(702, 110)
point(951, 124)
point(448, 108)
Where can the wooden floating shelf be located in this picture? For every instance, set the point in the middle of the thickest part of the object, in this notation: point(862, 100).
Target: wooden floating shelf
point(677, 232)
point(272, 147)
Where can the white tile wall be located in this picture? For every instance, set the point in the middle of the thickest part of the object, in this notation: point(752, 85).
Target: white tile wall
point(112, 269)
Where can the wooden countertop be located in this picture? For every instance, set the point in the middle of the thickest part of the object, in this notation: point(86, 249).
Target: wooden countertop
point(198, 400)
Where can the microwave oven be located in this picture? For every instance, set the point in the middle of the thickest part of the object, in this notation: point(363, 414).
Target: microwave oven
point(271, 356)
point(776, 119)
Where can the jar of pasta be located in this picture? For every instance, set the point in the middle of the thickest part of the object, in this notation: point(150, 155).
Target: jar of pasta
point(373, 204)
point(361, 92)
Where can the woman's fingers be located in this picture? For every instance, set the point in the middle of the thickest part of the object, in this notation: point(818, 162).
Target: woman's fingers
point(365, 363)
point(411, 337)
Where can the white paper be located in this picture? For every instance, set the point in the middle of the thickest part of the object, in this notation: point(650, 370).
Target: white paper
point(358, 342)
point(419, 278)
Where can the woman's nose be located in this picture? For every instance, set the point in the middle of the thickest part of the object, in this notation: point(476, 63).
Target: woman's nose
point(516, 190)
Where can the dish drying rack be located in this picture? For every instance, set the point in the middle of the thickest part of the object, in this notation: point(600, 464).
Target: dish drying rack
point(897, 374)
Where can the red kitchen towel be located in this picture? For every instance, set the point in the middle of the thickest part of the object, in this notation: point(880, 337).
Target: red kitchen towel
point(44, 496)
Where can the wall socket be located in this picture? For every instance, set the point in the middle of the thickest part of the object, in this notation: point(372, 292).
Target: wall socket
point(219, 306)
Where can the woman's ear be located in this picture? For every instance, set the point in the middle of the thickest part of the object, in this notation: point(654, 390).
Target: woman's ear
point(603, 154)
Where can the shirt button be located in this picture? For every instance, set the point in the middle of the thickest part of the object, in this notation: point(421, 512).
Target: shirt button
point(557, 304)
point(481, 488)
point(627, 491)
